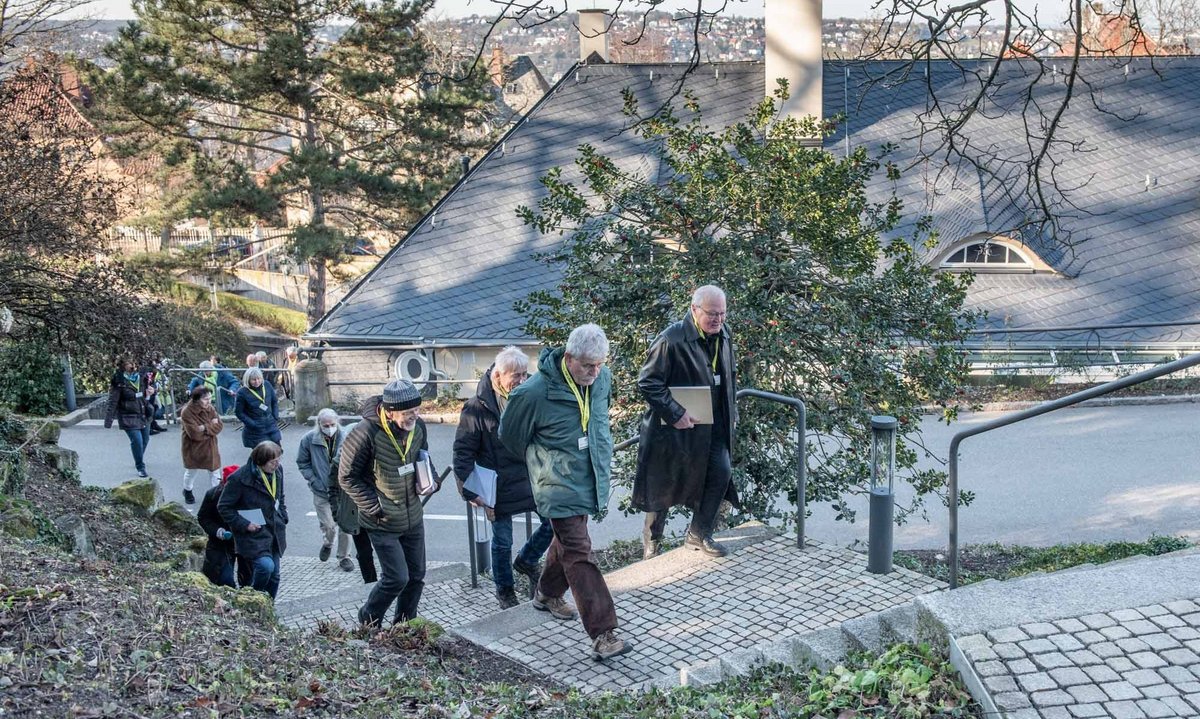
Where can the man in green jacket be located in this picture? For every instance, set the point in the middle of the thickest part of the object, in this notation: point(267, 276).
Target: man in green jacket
point(558, 421)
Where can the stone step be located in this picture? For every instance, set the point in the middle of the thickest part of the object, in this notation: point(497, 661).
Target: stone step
point(899, 624)
point(980, 608)
point(864, 634)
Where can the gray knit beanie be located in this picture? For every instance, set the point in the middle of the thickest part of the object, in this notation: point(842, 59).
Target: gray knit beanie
point(400, 394)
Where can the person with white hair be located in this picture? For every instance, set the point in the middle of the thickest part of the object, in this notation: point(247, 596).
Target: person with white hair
point(557, 421)
point(684, 459)
point(477, 443)
point(257, 410)
point(315, 459)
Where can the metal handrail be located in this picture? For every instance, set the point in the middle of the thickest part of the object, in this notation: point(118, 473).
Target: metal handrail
point(1071, 399)
point(801, 463)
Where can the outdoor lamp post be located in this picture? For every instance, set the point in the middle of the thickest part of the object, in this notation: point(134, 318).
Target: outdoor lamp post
point(883, 502)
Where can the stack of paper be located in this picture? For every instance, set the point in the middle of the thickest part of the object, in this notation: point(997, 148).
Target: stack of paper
point(426, 482)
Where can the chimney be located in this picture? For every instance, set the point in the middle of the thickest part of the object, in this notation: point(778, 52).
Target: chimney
point(794, 52)
point(593, 35)
point(496, 67)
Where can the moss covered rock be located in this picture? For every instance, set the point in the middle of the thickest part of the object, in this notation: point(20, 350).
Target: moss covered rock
point(174, 516)
point(17, 517)
point(77, 535)
point(64, 460)
point(256, 603)
point(141, 493)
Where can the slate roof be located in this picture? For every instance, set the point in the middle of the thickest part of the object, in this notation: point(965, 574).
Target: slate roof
point(1134, 252)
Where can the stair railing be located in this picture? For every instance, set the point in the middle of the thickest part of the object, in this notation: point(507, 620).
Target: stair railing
point(801, 459)
point(1045, 407)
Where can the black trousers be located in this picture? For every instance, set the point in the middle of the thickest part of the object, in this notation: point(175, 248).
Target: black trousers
point(716, 483)
point(366, 556)
point(402, 569)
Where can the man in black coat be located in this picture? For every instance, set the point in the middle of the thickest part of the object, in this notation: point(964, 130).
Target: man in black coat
point(477, 442)
point(682, 462)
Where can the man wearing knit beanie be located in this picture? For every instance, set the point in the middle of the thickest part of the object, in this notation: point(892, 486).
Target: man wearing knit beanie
point(377, 471)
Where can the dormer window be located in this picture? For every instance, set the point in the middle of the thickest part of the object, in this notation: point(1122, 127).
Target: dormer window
point(990, 253)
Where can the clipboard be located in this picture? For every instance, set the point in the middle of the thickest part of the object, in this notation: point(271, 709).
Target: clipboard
point(696, 400)
point(426, 483)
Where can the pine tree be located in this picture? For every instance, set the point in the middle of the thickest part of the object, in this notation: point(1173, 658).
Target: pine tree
point(289, 111)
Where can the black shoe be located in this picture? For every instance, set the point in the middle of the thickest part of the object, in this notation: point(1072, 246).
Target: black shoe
point(325, 550)
point(189, 497)
point(706, 545)
point(142, 474)
point(156, 428)
point(532, 571)
point(650, 548)
point(507, 598)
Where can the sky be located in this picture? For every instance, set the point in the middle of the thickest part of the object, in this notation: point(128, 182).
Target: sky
point(118, 9)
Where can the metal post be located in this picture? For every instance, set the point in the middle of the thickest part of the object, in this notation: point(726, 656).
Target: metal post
point(528, 526)
point(801, 473)
point(471, 544)
point(68, 383)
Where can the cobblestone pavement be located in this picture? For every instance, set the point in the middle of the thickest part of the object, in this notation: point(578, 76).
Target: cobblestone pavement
point(312, 590)
point(760, 593)
point(1123, 664)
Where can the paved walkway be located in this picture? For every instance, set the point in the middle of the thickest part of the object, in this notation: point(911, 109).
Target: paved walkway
point(1119, 640)
point(682, 609)
point(1128, 663)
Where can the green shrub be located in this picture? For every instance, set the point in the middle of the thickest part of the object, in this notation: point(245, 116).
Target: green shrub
point(31, 380)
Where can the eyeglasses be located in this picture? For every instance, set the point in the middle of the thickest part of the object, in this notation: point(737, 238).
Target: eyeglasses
point(712, 315)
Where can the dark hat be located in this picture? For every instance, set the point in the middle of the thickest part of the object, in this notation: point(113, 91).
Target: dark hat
point(400, 394)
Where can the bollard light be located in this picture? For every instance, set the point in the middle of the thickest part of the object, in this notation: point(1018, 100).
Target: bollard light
point(883, 451)
point(883, 479)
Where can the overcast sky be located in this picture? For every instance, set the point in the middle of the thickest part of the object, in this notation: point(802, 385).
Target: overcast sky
point(453, 8)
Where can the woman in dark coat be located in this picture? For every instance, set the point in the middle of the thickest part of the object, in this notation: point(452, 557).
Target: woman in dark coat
point(219, 554)
point(257, 410)
point(128, 406)
point(257, 489)
point(477, 442)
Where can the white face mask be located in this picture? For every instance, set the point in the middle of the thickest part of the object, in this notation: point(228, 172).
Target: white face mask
point(329, 431)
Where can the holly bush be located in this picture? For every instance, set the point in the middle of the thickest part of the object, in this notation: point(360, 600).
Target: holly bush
point(827, 301)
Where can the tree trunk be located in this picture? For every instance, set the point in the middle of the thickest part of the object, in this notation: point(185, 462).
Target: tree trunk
point(316, 290)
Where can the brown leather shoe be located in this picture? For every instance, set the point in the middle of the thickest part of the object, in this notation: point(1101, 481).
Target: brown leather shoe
point(609, 645)
point(558, 607)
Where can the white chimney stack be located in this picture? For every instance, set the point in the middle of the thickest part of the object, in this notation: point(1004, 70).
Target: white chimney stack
point(794, 52)
point(593, 34)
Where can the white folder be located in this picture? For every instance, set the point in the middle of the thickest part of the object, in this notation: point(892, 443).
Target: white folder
point(482, 481)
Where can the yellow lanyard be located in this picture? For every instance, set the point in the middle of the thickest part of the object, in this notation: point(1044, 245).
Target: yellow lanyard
point(271, 486)
point(262, 398)
point(704, 337)
point(407, 443)
point(136, 384)
point(584, 400)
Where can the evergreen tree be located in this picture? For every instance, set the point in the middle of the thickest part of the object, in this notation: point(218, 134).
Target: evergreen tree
point(285, 110)
point(822, 305)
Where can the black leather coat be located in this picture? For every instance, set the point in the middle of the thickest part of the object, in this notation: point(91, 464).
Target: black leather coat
point(673, 463)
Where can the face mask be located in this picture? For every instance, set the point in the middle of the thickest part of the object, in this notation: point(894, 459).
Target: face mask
point(329, 431)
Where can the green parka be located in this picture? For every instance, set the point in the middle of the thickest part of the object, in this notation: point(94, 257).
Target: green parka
point(542, 424)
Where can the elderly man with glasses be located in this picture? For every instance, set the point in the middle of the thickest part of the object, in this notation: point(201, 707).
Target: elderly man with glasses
point(681, 460)
point(477, 444)
point(558, 422)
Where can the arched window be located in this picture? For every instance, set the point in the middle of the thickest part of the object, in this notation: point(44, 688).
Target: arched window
point(987, 255)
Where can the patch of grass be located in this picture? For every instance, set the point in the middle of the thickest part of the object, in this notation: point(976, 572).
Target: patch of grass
point(260, 313)
point(1000, 561)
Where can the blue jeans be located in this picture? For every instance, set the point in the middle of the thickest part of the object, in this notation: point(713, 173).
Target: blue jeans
point(531, 553)
point(266, 574)
point(138, 439)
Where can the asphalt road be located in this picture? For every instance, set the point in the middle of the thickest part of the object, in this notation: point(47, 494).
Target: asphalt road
point(1076, 475)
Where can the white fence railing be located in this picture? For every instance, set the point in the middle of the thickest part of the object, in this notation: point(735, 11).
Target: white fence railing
point(235, 241)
